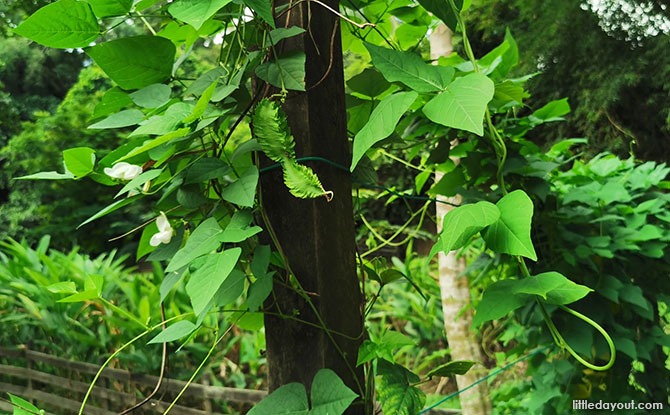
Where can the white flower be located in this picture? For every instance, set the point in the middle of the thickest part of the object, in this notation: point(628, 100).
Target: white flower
point(123, 171)
point(165, 231)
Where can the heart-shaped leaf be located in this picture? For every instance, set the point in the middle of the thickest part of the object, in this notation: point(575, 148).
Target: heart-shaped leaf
point(463, 104)
point(510, 234)
point(463, 222)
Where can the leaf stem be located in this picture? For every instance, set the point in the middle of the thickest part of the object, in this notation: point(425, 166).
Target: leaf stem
point(389, 241)
point(116, 353)
point(202, 363)
point(123, 312)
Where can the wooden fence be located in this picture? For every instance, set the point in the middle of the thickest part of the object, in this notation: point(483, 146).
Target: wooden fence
point(29, 378)
point(31, 374)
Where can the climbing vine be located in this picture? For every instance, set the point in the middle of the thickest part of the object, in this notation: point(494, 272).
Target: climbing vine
point(193, 145)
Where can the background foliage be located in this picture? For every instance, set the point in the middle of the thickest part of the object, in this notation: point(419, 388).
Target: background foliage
point(613, 70)
point(600, 217)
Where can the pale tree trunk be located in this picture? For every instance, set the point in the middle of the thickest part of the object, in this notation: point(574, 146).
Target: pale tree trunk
point(454, 287)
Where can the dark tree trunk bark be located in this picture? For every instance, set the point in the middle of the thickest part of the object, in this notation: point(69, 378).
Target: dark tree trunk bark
point(316, 236)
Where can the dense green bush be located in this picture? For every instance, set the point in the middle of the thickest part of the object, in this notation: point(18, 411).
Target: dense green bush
point(35, 281)
point(607, 225)
point(604, 223)
point(44, 305)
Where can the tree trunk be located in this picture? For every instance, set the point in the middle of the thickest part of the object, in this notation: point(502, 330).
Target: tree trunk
point(454, 287)
point(316, 236)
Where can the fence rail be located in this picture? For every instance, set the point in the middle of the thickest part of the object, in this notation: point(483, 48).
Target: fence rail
point(23, 379)
point(30, 383)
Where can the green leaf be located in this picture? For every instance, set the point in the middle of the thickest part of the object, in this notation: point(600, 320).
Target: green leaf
point(383, 348)
point(110, 208)
point(198, 86)
point(505, 296)
point(290, 399)
point(169, 281)
point(281, 33)
point(393, 339)
point(259, 290)
point(370, 83)
point(449, 184)
point(330, 396)
point(553, 287)
point(443, 10)
point(174, 332)
point(63, 287)
point(407, 35)
point(463, 103)
point(135, 62)
point(196, 12)
point(508, 52)
point(285, 72)
point(263, 8)
point(152, 96)
point(47, 175)
point(206, 280)
point(553, 111)
point(190, 197)
point(231, 289)
point(390, 275)
point(613, 192)
point(23, 407)
point(145, 4)
point(633, 294)
point(239, 228)
point(79, 160)
point(63, 24)
point(108, 8)
point(205, 169)
point(560, 289)
point(609, 287)
point(139, 181)
point(120, 119)
point(511, 233)
point(242, 191)
point(626, 346)
point(410, 69)
point(248, 321)
point(367, 352)
point(271, 131)
point(201, 106)
point(509, 94)
point(382, 123)
point(460, 224)
point(158, 141)
point(499, 299)
point(302, 182)
point(203, 240)
point(459, 367)
point(395, 390)
point(165, 123)
point(86, 295)
point(114, 100)
point(261, 260)
point(144, 247)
